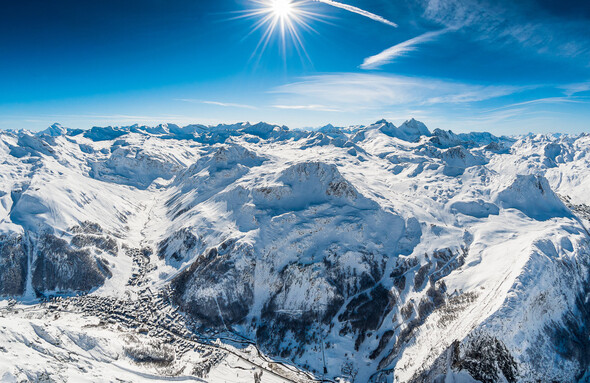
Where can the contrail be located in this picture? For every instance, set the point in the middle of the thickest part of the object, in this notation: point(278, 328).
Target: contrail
point(359, 11)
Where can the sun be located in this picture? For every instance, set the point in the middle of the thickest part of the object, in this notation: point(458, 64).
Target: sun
point(282, 8)
point(283, 19)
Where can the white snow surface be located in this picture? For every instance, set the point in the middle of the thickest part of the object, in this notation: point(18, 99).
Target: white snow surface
point(511, 214)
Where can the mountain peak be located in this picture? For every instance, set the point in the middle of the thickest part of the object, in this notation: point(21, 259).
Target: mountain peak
point(382, 121)
point(415, 126)
point(55, 130)
point(410, 130)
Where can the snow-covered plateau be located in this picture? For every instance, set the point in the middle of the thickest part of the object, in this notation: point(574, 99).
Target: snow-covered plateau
point(255, 253)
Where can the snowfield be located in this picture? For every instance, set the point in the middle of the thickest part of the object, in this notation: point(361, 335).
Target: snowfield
point(254, 253)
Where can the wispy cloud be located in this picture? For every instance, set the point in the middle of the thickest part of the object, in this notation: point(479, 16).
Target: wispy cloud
point(388, 55)
point(320, 108)
point(533, 25)
point(571, 89)
point(355, 92)
point(544, 100)
point(41, 121)
point(358, 11)
point(136, 118)
point(217, 103)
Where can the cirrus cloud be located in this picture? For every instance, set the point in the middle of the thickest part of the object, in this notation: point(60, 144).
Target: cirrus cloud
point(354, 91)
point(388, 55)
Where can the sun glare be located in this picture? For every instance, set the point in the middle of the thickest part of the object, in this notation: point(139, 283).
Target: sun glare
point(282, 8)
point(282, 18)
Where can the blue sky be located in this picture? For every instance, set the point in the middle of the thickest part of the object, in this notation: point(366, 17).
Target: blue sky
point(503, 66)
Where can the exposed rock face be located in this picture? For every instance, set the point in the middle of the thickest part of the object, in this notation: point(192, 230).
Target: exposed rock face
point(175, 247)
point(486, 358)
point(56, 265)
point(217, 288)
point(13, 266)
point(61, 268)
point(480, 357)
point(366, 311)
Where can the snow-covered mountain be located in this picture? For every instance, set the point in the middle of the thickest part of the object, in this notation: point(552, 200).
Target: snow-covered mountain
point(257, 253)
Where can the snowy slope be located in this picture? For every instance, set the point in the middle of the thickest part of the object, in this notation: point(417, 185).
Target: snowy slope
point(375, 253)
